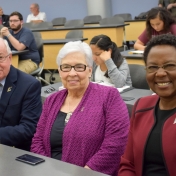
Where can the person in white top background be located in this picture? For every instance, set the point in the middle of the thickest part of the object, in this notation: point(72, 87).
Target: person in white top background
point(36, 16)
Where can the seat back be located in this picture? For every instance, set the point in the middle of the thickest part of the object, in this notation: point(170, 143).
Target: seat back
point(39, 43)
point(74, 34)
point(74, 23)
point(59, 21)
point(42, 25)
point(92, 19)
point(112, 21)
point(138, 76)
point(141, 16)
point(125, 16)
point(27, 25)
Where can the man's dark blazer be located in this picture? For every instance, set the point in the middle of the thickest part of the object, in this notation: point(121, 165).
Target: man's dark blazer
point(5, 20)
point(20, 109)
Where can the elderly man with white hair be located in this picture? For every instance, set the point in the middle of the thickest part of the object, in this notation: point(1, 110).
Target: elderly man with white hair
point(36, 16)
point(20, 102)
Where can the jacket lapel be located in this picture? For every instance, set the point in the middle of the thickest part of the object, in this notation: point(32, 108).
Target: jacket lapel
point(8, 90)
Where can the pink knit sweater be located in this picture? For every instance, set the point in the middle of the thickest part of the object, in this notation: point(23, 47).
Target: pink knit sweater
point(96, 133)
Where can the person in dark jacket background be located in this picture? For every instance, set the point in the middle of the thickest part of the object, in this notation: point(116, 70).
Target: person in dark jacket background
point(4, 19)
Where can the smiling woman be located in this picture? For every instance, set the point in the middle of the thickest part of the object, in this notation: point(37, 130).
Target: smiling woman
point(85, 124)
point(77, 75)
point(150, 149)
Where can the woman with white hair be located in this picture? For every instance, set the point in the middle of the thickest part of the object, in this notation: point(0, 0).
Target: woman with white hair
point(85, 124)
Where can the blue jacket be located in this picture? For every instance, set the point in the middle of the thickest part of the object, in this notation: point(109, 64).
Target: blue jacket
point(20, 109)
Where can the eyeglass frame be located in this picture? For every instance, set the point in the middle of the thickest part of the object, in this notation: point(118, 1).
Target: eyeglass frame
point(85, 66)
point(15, 21)
point(4, 58)
point(158, 67)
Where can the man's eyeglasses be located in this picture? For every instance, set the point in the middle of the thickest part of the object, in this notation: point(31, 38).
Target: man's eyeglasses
point(3, 59)
point(77, 67)
point(166, 67)
point(11, 21)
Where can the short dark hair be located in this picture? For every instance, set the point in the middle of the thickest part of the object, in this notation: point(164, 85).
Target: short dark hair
point(163, 14)
point(104, 43)
point(17, 14)
point(164, 39)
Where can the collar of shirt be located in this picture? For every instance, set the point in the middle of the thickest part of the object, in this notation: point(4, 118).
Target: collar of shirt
point(3, 82)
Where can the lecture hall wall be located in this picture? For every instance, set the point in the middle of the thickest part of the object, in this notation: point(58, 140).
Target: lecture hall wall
point(75, 9)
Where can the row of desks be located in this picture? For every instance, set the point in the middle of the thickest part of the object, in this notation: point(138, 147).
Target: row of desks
point(52, 47)
point(133, 28)
point(116, 32)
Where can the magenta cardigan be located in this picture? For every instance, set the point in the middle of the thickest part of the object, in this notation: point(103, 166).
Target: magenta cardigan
point(96, 133)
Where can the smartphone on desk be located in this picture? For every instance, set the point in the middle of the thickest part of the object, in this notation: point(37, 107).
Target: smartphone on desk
point(29, 159)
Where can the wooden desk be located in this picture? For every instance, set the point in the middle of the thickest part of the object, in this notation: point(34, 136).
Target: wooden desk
point(15, 57)
point(133, 58)
point(115, 32)
point(134, 29)
point(51, 167)
point(51, 49)
point(15, 60)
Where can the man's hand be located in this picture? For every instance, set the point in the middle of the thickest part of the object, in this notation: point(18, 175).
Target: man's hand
point(5, 31)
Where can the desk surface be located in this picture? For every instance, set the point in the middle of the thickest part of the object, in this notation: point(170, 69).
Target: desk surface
point(136, 93)
point(131, 55)
point(18, 52)
point(62, 41)
point(10, 167)
point(135, 20)
point(84, 27)
point(133, 58)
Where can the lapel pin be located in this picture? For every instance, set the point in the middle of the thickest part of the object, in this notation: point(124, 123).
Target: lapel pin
point(9, 89)
point(82, 109)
